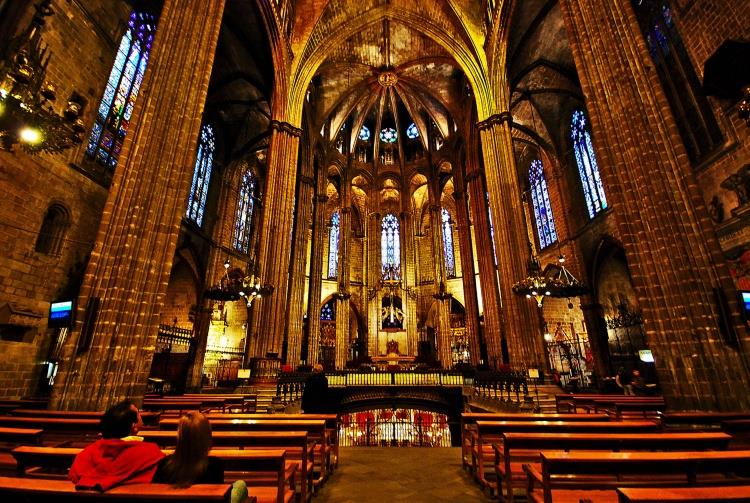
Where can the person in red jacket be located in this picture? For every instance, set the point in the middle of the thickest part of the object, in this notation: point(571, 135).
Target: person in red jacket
point(119, 457)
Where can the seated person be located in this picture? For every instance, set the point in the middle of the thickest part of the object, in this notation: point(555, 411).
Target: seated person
point(190, 464)
point(119, 457)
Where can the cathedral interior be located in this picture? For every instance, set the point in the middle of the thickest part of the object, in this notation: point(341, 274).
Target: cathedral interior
point(257, 186)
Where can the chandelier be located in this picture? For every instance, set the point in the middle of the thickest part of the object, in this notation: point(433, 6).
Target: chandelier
point(235, 285)
point(26, 114)
point(538, 286)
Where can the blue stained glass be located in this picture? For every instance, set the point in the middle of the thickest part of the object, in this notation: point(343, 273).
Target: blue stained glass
point(118, 100)
point(388, 135)
point(333, 244)
point(450, 260)
point(244, 214)
point(545, 222)
point(201, 175)
point(588, 169)
point(364, 133)
point(328, 311)
point(412, 131)
point(390, 245)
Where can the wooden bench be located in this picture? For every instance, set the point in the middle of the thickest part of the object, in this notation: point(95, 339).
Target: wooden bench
point(713, 494)
point(519, 448)
point(469, 426)
point(182, 405)
point(149, 418)
point(28, 436)
point(332, 426)
point(63, 491)
point(299, 449)
point(247, 403)
point(692, 420)
point(241, 463)
point(572, 476)
point(56, 430)
point(489, 432)
point(637, 410)
point(577, 403)
point(315, 429)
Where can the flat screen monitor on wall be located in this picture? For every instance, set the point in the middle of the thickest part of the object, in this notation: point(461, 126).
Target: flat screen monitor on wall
point(60, 314)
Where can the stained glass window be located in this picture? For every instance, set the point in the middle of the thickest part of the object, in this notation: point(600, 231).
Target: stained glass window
point(694, 117)
point(333, 244)
point(412, 131)
point(244, 215)
point(388, 135)
point(328, 311)
point(390, 247)
point(450, 261)
point(588, 169)
point(545, 222)
point(201, 175)
point(364, 133)
point(116, 107)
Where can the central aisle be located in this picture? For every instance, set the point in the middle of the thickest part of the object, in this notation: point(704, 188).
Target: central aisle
point(382, 474)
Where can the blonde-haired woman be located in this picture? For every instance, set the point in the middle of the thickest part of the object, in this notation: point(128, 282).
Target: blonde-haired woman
point(190, 464)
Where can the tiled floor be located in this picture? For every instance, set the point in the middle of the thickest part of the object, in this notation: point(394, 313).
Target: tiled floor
point(380, 474)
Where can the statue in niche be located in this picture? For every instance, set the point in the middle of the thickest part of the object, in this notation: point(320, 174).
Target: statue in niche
point(736, 183)
point(392, 347)
point(716, 210)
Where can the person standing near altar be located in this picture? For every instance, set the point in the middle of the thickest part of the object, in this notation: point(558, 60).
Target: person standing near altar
point(315, 395)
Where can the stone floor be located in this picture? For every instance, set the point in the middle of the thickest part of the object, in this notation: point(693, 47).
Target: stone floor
point(381, 474)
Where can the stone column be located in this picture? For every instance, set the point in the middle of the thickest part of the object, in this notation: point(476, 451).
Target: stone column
point(677, 267)
point(441, 295)
point(373, 282)
point(128, 273)
point(493, 334)
point(296, 305)
point(468, 278)
point(520, 318)
point(593, 316)
point(275, 247)
point(316, 274)
point(409, 281)
point(343, 295)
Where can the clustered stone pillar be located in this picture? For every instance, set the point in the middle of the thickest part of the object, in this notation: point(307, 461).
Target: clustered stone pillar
point(409, 278)
point(520, 321)
point(343, 295)
point(296, 306)
point(129, 269)
point(677, 267)
point(316, 273)
point(469, 280)
point(441, 296)
point(275, 247)
point(486, 259)
point(374, 268)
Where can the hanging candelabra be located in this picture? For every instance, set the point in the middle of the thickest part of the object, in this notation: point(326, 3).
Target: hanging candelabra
point(234, 285)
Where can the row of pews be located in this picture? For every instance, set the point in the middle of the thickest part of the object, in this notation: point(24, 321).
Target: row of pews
point(281, 457)
point(603, 448)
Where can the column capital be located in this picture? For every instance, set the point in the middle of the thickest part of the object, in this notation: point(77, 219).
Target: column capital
point(470, 177)
point(307, 180)
point(404, 215)
point(375, 215)
point(286, 128)
point(346, 210)
point(321, 198)
point(495, 119)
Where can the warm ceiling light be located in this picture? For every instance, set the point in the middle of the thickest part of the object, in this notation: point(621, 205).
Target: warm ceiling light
point(30, 135)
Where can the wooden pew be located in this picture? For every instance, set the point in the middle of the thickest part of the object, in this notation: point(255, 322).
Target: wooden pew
point(246, 402)
point(299, 449)
point(693, 420)
point(29, 403)
point(584, 402)
point(489, 432)
point(149, 418)
point(517, 448)
point(637, 410)
point(63, 491)
point(183, 404)
point(27, 436)
point(332, 427)
point(315, 429)
point(56, 430)
point(242, 462)
point(571, 476)
point(469, 426)
point(713, 494)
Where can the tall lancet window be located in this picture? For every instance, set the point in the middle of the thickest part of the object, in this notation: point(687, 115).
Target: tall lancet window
point(390, 247)
point(545, 222)
point(588, 169)
point(116, 107)
point(201, 175)
point(693, 115)
point(244, 215)
point(450, 261)
point(333, 244)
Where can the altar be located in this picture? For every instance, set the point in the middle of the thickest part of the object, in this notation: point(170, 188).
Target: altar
point(393, 358)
